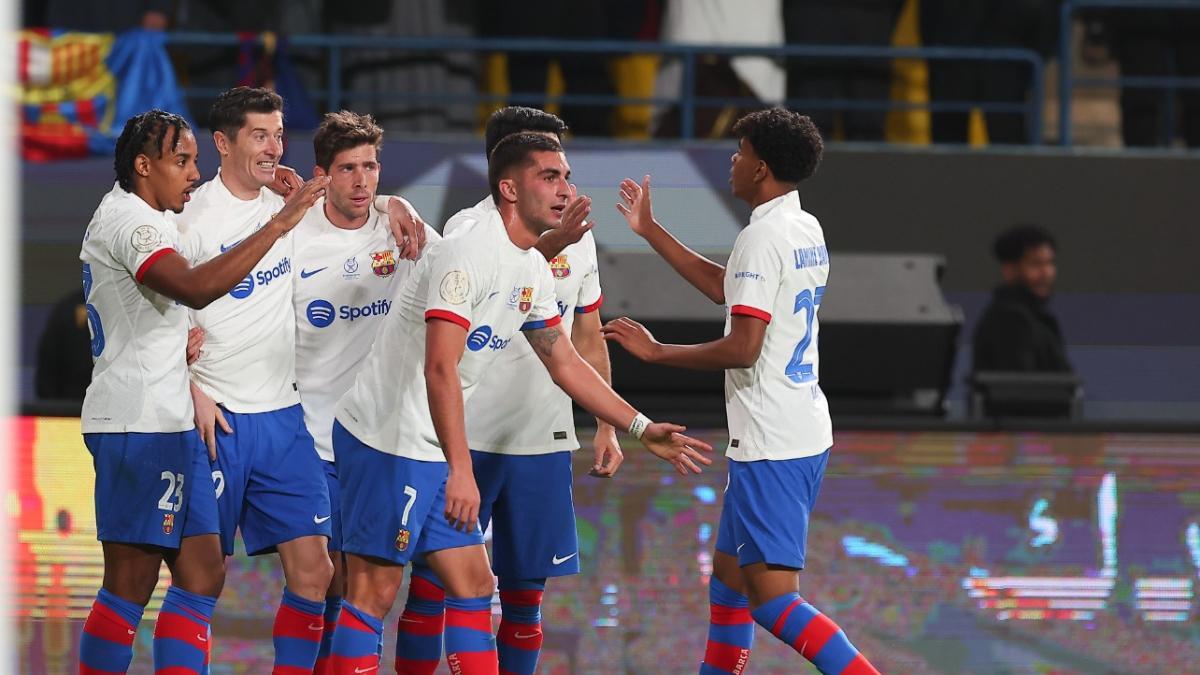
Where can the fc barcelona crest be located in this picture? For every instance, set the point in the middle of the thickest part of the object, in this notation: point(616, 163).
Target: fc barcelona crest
point(383, 263)
point(559, 267)
point(168, 523)
point(402, 539)
point(526, 301)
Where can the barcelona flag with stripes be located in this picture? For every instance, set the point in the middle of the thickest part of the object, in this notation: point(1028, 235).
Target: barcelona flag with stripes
point(77, 89)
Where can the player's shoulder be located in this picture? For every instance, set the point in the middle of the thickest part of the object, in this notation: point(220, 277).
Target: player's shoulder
point(270, 199)
point(120, 209)
point(466, 219)
point(312, 223)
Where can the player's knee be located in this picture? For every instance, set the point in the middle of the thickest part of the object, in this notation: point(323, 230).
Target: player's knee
point(480, 583)
point(131, 583)
point(310, 580)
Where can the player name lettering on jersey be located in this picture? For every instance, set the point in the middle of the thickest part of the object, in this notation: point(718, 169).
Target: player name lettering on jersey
point(812, 256)
point(517, 409)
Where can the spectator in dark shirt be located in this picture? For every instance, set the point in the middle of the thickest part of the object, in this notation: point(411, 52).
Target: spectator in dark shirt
point(64, 359)
point(1017, 331)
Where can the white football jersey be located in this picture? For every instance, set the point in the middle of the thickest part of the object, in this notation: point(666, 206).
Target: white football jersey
point(338, 312)
point(139, 338)
point(518, 410)
point(483, 283)
point(248, 362)
point(777, 272)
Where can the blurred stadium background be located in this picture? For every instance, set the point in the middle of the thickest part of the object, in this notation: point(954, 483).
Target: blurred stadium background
point(952, 536)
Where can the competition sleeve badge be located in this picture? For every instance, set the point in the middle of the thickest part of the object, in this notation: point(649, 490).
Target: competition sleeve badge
point(559, 267)
point(145, 239)
point(526, 299)
point(455, 287)
point(383, 263)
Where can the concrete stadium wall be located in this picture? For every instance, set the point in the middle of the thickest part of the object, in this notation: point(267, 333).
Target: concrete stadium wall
point(1129, 295)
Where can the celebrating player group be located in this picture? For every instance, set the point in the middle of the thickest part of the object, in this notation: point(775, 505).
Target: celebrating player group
point(309, 363)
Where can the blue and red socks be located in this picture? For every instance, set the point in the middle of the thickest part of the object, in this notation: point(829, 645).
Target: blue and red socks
point(333, 607)
point(470, 647)
point(419, 629)
point(106, 645)
point(357, 642)
point(520, 638)
point(181, 635)
point(813, 634)
point(730, 631)
point(299, 626)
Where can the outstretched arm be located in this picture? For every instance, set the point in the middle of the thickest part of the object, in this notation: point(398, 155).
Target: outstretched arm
point(739, 349)
point(707, 276)
point(583, 384)
point(196, 287)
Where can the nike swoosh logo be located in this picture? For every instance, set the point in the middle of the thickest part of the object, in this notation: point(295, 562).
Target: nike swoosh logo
point(558, 561)
point(405, 619)
point(131, 632)
point(525, 636)
point(739, 548)
point(494, 294)
point(304, 274)
point(201, 638)
point(226, 248)
point(318, 521)
point(366, 670)
point(315, 627)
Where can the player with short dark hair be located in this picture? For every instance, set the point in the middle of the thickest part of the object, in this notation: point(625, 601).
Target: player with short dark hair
point(515, 119)
point(338, 312)
point(521, 430)
point(228, 112)
point(779, 426)
point(407, 481)
point(155, 501)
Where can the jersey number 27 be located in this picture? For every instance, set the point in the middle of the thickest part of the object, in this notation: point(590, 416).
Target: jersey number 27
point(807, 301)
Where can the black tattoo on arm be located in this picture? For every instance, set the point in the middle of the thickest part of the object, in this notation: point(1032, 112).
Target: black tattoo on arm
point(542, 339)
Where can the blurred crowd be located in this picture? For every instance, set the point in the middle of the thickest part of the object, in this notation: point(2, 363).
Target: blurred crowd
point(848, 97)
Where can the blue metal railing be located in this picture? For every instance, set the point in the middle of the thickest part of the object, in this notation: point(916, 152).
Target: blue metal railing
point(335, 46)
point(1068, 82)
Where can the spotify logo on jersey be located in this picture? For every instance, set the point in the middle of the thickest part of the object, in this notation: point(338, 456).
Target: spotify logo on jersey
point(244, 288)
point(320, 313)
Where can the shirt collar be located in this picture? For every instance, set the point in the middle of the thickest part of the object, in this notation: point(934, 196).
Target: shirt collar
point(789, 200)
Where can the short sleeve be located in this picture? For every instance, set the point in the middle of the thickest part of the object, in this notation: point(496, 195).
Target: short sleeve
point(752, 277)
point(544, 313)
point(137, 243)
point(453, 285)
point(590, 295)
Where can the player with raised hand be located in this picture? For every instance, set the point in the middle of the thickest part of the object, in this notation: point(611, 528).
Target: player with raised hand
point(779, 426)
point(521, 431)
point(405, 469)
point(338, 312)
point(154, 499)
